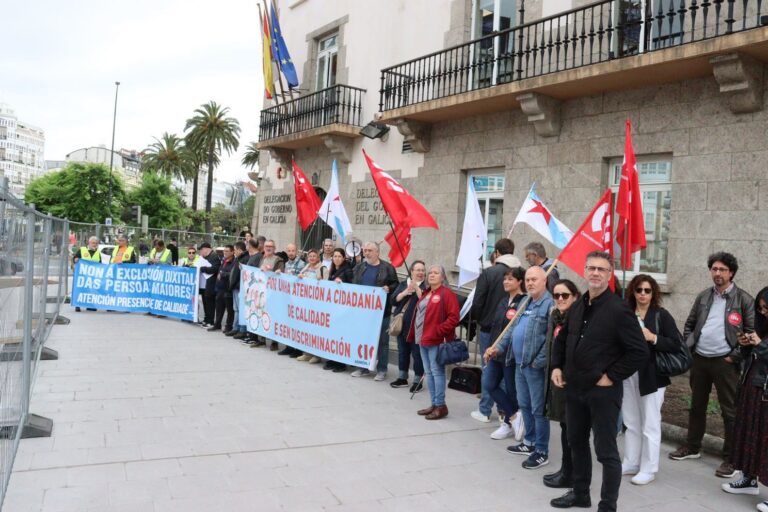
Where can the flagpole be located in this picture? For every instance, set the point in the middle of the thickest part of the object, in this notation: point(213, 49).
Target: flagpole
point(397, 242)
point(280, 67)
point(275, 58)
point(263, 19)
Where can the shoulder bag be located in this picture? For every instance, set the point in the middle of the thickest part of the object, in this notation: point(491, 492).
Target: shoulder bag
point(396, 322)
point(451, 352)
point(672, 364)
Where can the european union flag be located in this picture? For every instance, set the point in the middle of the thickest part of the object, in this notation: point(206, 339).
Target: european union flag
point(280, 53)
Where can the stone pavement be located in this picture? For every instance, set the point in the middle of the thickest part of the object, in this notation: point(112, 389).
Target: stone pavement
point(155, 415)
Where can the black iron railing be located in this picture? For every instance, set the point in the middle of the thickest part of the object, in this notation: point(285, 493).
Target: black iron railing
point(602, 31)
point(336, 104)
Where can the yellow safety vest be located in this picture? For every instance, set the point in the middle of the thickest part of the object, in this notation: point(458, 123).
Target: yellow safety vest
point(86, 255)
point(164, 257)
point(185, 261)
point(126, 255)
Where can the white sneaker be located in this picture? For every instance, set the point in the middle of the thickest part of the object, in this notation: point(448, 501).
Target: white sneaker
point(314, 360)
point(304, 357)
point(380, 376)
point(519, 426)
point(763, 507)
point(480, 417)
point(627, 469)
point(504, 431)
point(643, 478)
point(359, 373)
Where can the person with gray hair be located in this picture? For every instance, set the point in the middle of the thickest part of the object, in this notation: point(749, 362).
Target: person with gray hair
point(536, 255)
point(373, 271)
point(328, 247)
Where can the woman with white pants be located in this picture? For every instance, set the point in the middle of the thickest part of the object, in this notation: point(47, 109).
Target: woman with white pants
point(644, 390)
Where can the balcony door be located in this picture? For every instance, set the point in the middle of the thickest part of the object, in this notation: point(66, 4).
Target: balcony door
point(635, 36)
point(327, 59)
point(488, 57)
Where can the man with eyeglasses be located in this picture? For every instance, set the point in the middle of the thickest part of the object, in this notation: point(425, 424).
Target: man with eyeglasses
point(599, 346)
point(719, 314)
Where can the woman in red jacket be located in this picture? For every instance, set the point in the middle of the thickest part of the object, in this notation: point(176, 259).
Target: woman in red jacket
point(434, 322)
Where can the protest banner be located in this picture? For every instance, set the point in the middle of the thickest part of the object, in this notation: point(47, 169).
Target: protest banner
point(159, 289)
point(331, 320)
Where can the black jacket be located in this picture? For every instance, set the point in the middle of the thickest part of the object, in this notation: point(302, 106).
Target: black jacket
point(344, 272)
point(669, 339)
point(222, 280)
point(500, 319)
point(387, 276)
point(756, 355)
point(409, 300)
point(255, 260)
point(597, 338)
point(215, 261)
point(234, 276)
point(489, 290)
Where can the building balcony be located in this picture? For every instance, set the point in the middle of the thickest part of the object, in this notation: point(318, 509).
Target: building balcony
point(609, 45)
point(330, 116)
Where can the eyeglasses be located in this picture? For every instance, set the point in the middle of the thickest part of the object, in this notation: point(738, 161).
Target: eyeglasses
point(269, 246)
point(191, 252)
point(590, 269)
point(721, 270)
point(559, 296)
point(640, 289)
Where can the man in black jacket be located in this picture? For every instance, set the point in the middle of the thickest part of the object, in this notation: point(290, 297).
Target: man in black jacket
point(209, 291)
point(373, 271)
point(241, 258)
point(223, 292)
point(599, 346)
point(489, 290)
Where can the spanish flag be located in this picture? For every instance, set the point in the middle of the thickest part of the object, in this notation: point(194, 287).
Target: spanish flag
point(266, 43)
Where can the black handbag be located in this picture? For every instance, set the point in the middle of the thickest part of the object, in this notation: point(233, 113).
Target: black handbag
point(466, 379)
point(672, 364)
point(452, 352)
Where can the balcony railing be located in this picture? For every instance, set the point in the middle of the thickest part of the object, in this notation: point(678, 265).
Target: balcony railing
point(599, 32)
point(337, 104)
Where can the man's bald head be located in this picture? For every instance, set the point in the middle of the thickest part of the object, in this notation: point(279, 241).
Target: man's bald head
point(535, 282)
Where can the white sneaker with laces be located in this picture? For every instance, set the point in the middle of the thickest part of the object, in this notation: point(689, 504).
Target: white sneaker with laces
point(519, 426)
point(627, 469)
point(380, 376)
point(359, 373)
point(763, 507)
point(504, 431)
point(643, 478)
point(480, 417)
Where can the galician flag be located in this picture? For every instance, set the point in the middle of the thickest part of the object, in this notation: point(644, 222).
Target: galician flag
point(538, 216)
point(473, 238)
point(332, 210)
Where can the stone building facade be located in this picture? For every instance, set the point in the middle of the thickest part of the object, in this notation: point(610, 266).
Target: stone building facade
point(700, 131)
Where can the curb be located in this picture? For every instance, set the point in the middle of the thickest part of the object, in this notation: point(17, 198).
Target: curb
point(674, 434)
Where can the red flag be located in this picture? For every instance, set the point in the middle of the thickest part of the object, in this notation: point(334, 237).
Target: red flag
point(307, 202)
point(630, 233)
point(595, 234)
point(402, 207)
point(399, 248)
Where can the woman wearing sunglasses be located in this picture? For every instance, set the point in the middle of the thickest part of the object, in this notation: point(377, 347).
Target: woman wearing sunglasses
point(565, 294)
point(644, 391)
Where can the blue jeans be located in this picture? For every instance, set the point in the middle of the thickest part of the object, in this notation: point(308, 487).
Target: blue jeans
point(486, 401)
point(530, 394)
point(494, 374)
point(383, 352)
point(404, 352)
point(435, 374)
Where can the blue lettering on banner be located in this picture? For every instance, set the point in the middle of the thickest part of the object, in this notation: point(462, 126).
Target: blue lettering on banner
point(331, 320)
point(159, 289)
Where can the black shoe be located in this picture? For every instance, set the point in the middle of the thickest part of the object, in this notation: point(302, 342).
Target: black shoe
point(285, 352)
point(417, 386)
point(399, 383)
point(258, 343)
point(90, 309)
point(241, 335)
point(77, 309)
point(214, 328)
point(329, 365)
point(571, 499)
point(295, 354)
point(231, 332)
point(339, 367)
point(558, 480)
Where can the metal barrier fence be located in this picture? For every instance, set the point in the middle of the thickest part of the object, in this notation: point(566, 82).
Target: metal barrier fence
point(33, 286)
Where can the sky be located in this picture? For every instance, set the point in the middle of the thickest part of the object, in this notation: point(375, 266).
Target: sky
point(61, 60)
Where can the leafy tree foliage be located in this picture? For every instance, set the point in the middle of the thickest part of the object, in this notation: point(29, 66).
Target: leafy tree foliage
point(160, 201)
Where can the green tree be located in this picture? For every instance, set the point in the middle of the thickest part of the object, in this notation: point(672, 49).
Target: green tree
point(198, 156)
point(223, 220)
point(244, 213)
point(251, 156)
point(78, 192)
point(160, 201)
point(212, 130)
point(168, 157)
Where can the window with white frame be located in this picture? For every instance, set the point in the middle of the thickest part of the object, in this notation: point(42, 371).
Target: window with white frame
point(655, 175)
point(490, 195)
point(327, 53)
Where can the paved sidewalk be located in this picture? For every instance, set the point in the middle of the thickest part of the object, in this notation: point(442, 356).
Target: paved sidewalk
point(155, 415)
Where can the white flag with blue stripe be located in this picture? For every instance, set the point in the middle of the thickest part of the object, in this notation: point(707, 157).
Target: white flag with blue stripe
point(332, 210)
point(538, 216)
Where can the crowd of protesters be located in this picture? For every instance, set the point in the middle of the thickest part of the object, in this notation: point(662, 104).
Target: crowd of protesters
point(585, 360)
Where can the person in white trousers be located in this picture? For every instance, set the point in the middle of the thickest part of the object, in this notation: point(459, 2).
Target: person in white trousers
point(644, 390)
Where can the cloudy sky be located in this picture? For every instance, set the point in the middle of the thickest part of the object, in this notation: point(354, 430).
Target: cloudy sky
point(60, 62)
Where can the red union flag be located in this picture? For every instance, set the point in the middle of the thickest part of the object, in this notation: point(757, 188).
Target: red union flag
point(399, 248)
point(402, 207)
point(595, 234)
point(630, 233)
point(307, 202)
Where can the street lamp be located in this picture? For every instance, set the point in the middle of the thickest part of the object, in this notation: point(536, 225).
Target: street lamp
point(112, 153)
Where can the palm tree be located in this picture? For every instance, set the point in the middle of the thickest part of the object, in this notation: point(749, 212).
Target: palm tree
point(211, 130)
point(168, 157)
point(198, 158)
point(251, 156)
